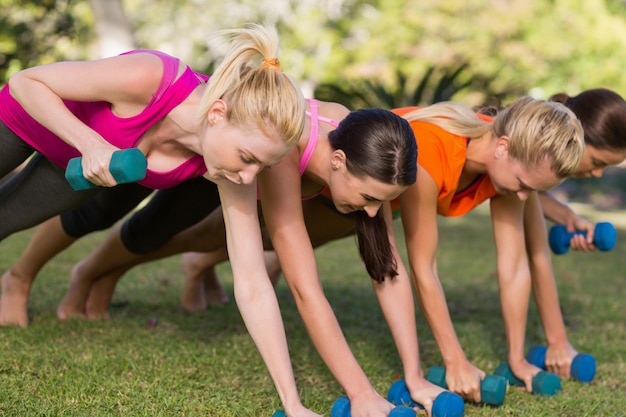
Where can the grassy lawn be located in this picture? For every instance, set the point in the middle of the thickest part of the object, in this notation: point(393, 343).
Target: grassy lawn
point(206, 364)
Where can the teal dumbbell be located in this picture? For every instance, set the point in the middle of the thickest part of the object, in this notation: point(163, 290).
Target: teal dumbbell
point(341, 408)
point(544, 383)
point(127, 165)
point(492, 387)
point(279, 413)
point(604, 237)
point(447, 404)
point(583, 366)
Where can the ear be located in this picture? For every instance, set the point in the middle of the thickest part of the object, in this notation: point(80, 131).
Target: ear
point(337, 159)
point(217, 112)
point(502, 147)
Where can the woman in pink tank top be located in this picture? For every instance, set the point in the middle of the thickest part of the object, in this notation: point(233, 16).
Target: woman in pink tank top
point(94, 108)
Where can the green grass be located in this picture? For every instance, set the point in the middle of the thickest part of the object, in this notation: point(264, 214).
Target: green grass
point(205, 364)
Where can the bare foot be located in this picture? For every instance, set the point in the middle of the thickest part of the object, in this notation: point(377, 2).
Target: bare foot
point(100, 296)
point(194, 296)
point(202, 285)
point(14, 300)
point(213, 289)
point(73, 304)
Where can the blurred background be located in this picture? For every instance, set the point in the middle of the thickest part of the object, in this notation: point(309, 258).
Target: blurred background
point(362, 53)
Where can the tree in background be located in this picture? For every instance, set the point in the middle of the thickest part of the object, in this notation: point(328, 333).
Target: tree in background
point(511, 47)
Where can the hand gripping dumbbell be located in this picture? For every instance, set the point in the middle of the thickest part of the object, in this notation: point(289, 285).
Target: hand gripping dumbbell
point(447, 404)
point(544, 383)
point(127, 165)
point(604, 237)
point(492, 387)
point(583, 366)
point(341, 408)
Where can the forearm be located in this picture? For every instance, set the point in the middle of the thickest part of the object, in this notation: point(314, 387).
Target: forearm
point(261, 315)
point(396, 300)
point(514, 297)
point(556, 211)
point(432, 301)
point(326, 334)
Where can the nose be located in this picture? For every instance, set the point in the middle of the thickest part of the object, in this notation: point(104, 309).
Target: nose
point(372, 209)
point(248, 175)
point(523, 195)
point(597, 172)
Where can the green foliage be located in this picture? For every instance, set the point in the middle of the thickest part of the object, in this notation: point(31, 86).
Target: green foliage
point(403, 91)
point(37, 32)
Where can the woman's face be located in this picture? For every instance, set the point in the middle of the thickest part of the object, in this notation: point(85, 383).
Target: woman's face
point(351, 193)
point(595, 161)
point(511, 177)
point(238, 154)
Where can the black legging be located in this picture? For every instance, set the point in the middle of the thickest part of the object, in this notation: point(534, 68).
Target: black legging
point(37, 192)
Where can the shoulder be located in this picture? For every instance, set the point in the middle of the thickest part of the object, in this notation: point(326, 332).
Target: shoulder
point(333, 110)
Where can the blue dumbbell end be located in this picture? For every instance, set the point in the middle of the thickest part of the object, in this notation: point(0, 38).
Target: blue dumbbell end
point(399, 394)
point(448, 404)
point(128, 165)
point(74, 175)
point(341, 407)
point(559, 238)
point(546, 383)
point(437, 376)
point(605, 236)
point(493, 390)
point(279, 413)
point(537, 356)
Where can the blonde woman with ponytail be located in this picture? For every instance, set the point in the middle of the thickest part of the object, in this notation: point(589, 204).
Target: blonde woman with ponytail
point(247, 116)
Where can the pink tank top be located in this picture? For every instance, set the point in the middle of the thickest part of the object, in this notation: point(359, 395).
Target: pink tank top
point(313, 138)
point(121, 132)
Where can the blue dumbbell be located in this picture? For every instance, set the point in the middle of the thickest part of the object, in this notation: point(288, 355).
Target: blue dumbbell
point(447, 404)
point(341, 408)
point(127, 165)
point(492, 387)
point(279, 413)
point(544, 383)
point(583, 366)
point(604, 237)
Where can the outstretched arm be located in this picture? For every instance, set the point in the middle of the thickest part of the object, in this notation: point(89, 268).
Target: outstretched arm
point(253, 290)
point(419, 218)
point(560, 353)
point(396, 300)
point(507, 214)
point(282, 211)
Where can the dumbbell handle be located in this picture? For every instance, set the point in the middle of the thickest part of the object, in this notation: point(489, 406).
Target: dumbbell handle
point(605, 237)
point(127, 165)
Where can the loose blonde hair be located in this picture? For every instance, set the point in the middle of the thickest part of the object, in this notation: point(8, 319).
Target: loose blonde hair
point(537, 130)
point(261, 95)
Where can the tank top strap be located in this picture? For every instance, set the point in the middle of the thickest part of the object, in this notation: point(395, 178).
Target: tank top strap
point(313, 135)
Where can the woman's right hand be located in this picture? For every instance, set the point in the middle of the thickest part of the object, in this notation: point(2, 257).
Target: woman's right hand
point(524, 371)
point(464, 379)
point(95, 164)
